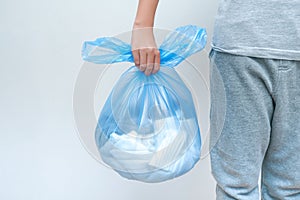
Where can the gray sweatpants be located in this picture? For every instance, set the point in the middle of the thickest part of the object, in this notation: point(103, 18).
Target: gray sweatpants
point(261, 130)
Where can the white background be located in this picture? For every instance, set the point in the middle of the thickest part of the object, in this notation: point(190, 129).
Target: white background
point(41, 156)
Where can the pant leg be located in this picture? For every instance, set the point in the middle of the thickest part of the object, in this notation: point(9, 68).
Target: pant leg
point(237, 156)
point(281, 167)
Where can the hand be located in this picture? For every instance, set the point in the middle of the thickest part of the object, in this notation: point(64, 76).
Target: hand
point(144, 50)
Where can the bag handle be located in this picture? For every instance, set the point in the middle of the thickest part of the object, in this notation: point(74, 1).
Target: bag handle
point(176, 47)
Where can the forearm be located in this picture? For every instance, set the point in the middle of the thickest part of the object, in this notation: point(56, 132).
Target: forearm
point(145, 13)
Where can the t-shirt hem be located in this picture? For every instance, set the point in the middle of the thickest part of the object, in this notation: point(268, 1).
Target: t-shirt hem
point(258, 52)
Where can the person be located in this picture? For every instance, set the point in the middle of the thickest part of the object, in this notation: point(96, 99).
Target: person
point(256, 52)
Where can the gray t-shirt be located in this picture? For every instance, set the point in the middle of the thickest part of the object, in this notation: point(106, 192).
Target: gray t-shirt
point(259, 28)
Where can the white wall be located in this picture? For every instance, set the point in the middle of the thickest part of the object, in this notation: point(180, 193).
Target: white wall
point(41, 156)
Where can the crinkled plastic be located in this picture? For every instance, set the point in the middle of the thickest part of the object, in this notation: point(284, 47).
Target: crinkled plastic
point(148, 128)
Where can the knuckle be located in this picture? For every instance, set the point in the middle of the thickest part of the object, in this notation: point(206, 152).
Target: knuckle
point(143, 66)
point(149, 50)
point(134, 51)
point(156, 52)
point(141, 51)
point(153, 50)
point(149, 68)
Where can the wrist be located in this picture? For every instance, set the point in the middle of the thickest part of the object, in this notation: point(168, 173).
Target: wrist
point(142, 24)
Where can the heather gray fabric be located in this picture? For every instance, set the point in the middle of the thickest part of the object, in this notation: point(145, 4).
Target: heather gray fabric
point(258, 28)
point(261, 128)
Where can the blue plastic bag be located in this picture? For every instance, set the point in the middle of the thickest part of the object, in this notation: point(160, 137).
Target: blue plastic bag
point(148, 128)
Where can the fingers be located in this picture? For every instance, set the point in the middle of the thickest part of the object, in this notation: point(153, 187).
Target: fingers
point(136, 57)
point(150, 62)
point(144, 50)
point(147, 60)
point(156, 62)
point(143, 60)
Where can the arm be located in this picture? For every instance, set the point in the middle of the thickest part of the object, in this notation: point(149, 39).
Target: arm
point(145, 13)
point(144, 49)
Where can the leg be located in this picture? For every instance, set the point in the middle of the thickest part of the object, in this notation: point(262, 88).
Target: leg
point(281, 167)
point(237, 156)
